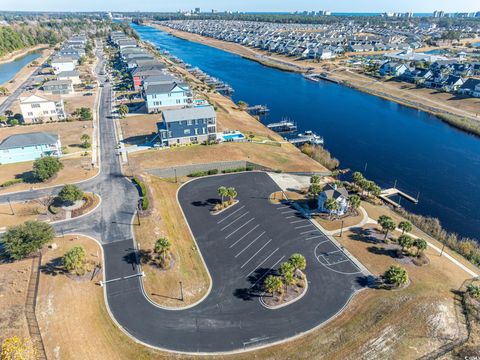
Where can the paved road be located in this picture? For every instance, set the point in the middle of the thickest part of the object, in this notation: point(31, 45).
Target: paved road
point(240, 247)
point(14, 95)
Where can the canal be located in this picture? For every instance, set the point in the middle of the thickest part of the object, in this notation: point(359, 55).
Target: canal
point(9, 69)
point(392, 142)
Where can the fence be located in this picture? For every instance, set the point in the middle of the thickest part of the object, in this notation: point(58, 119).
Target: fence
point(189, 169)
point(30, 306)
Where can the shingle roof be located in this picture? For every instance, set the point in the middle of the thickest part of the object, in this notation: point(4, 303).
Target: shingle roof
point(200, 112)
point(28, 139)
point(163, 88)
point(68, 73)
point(334, 193)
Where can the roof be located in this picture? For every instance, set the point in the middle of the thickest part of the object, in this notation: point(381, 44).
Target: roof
point(28, 139)
point(63, 59)
point(34, 98)
point(57, 82)
point(332, 192)
point(68, 73)
point(160, 78)
point(470, 83)
point(199, 112)
point(163, 88)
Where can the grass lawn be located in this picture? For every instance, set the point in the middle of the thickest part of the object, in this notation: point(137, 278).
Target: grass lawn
point(336, 224)
point(137, 129)
point(26, 210)
point(75, 169)
point(166, 220)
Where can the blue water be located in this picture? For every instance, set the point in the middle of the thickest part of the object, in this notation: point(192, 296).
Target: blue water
point(391, 141)
point(8, 70)
point(233, 137)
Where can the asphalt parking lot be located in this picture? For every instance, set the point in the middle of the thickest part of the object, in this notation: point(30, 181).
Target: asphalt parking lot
point(240, 246)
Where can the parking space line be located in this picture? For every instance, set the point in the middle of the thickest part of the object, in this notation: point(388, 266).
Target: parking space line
point(249, 221)
point(297, 221)
point(267, 272)
point(241, 216)
point(333, 252)
point(241, 267)
point(309, 231)
point(299, 227)
point(268, 257)
point(236, 242)
point(339, 262)
point(226, 217)
point(246, 247)
point(289, 217)
point(289, 211)
point(313, 237)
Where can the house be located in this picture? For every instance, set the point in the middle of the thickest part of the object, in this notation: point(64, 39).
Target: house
point(60, 64)
point(339, 194)
point(157, 79)
point(169, 95)
point(73, 76)
point(58, 87)
point(37, 108)
point(471, 87)
point(141, 72)
point(29, 147)
point(452, 83)
point(392, 69)
point(126, 43)
point(189, 125)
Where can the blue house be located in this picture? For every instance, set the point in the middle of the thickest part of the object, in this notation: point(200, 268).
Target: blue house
point(189, 125)
point(29, 147)
point(167, 96)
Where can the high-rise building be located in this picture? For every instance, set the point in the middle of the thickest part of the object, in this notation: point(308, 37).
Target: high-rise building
point(197, 10)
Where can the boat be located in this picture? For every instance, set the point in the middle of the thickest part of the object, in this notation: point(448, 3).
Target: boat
point(258, 109)
point(307, 137)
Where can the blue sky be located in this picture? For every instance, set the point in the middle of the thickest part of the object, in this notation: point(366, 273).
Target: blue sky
point(243, 5)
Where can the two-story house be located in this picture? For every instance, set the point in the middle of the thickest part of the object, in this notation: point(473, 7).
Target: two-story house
point(60, 64)
point(37, 108)
point(58, 87)
point(29, 147)
point(189, 125)
point(167, 96)
point(73, 76)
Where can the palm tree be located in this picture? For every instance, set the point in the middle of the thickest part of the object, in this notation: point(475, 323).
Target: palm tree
point(473, 290)
point(396, 275)
point(315, 189)
point(162, 247)
point(331, 205)
point(222, 191)
point(387, 224)
point(298, 261)
point(421, 245)
point(232, 193)
point(273, 284)
point(405, 226)
point(357, 177)
point(315, 179)
point(405, 241)
point(354, 201)
point(287, 270)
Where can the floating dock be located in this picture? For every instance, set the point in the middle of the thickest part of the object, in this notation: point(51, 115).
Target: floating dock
point(386, 193)
point(258, 109)
point(283, 126)
point(318, 77)
point(308, 137)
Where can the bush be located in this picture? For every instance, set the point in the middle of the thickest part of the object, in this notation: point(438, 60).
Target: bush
point(46, 167)
point(234, 170)
point(141, 185)
point(145, 203)
point(198, 174)
point(320, 155)
point(212, 172)
point(75, 259)
point(23, 240)
point(70, 193)
point(11, 182)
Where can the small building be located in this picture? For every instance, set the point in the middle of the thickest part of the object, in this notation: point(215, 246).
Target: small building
point(471, 87)
point(141, 72)
point(37, 108)
point(339, 194)
point(189, 125)
point(58, 87)
point(29, 147)
point(60, 64)
point(73, 76)
point(392, 69)
point(164, 96)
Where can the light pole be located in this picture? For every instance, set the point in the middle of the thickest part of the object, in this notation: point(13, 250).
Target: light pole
point(11, 208)
point(181, 291)
point(341, 229)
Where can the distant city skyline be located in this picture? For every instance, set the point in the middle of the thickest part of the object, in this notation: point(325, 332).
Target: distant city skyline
point(374, 6)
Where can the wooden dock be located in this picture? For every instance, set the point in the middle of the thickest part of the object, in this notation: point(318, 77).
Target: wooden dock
point(386, 193)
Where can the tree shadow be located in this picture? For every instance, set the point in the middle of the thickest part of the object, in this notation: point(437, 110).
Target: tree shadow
point(393, 253)
point(28, 177)
point(137, 140)
point(365, 235)
point(208, 202)
point(53, 267)
point(246, 294)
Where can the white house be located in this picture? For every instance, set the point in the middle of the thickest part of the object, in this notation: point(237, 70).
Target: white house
point(340, 195)
point(167, 96)
point(63, 64)
point(73, 76)
point(37, 108)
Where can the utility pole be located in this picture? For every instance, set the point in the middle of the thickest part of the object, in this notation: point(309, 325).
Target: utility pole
point(138, 211)
point(11, 208)
point(181, 291)
point(443, 247)
point(341, 230)
point(176, 180)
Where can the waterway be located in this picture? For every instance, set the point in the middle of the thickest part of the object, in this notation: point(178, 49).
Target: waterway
point(386, 141)
point(8, 70)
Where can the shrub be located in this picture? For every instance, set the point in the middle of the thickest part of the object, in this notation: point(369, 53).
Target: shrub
point(23, 240)
point(198, 174)
point(320, 155)
point(145, 203)
point(75, 259)
point(234, 170)
point(11, 182)
point(249, 168)
point(141, 185)
point(212, 172)
point(46, 167)
point(396, 275)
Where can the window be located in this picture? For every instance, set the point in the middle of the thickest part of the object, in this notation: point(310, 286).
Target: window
point(186, 132)
point(30, 114)
point(196, 131)
point(45, 112)
point(189, 122)
point(203, 130)
point(169, 94)
point(177, 101)
point(35, 106)
point(52, 111)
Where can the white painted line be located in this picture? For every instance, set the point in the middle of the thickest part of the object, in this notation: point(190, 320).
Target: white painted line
point(289, 217)
point(309, 231)
point(241, 216)
point(289, 211)
point(297, 221)
point(268, 257)
point(313, 237)
point(324, 258)
point(333, 252)
point(236, 242)
point(246, 247)
point(239, 228)
point(241, 267)
point(299, 227)
point(267, 272)
point(339, 262)
point(226, 217)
